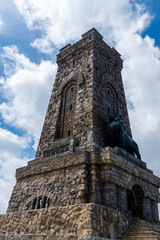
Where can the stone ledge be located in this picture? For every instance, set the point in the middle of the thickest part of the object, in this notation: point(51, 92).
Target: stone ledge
point(109, 156)
point(65, 47)
point(89, 38)
point(50, 164)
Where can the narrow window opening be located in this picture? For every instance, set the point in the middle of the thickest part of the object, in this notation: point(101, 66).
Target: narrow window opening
point(66, 148)
point(48, 202)
point(39, 202)
point(44, 202)
point(70, 107)
point(71, 89)
point(28, 206)
point(34, 203)
point(47, 154)
point(69, 133)
point(53, 153)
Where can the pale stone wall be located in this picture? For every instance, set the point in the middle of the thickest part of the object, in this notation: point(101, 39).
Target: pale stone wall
point(62, 180)
point(84, 177)
point(49, 237)
point(77, 220)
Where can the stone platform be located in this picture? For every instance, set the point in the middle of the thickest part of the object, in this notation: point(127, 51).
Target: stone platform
point(49, 237)
point(88, 194)
point(105, 177)
point(77, 222)
point(81, 221)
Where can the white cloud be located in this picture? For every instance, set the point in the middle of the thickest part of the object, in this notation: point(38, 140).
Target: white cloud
point(141, 77)
point(11, 147)
point(1, 24)
point(27, 87)
point(44, 45)
point(66, 20)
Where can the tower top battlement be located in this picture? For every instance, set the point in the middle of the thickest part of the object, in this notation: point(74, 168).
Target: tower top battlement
point(92, 37)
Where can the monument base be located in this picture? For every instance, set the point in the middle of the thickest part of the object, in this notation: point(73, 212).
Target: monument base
point(49, 237)
point(82, 222)
point(92, 195)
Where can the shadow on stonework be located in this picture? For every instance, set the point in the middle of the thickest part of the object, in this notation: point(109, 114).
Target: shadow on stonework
point(135, 201)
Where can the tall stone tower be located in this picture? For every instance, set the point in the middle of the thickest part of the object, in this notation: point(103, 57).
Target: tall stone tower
point(77, 187)
point(87, 87)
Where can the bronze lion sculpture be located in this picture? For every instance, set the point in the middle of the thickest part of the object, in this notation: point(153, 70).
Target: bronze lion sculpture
point(117, 136)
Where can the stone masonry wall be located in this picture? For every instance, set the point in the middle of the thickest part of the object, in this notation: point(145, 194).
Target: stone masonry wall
point(61, 181)
point(76, 220)
point(76, 186)
point(125, 174)
point(120, 179)
point(75, 64)
point(82, 177)
point(108, 91)
point(94, 69)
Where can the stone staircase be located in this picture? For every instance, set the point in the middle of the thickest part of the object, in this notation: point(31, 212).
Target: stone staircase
point(142, 230)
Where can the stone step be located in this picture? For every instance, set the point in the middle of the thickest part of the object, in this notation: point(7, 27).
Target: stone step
point(142, 230)
point(141, 238)
point(141, 233)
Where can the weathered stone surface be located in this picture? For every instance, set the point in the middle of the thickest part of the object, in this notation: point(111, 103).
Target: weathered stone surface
point(50, 237)
point(99, 177)
point(88, 86)
point(124, 173)
point(80, 220)
point(142, 230)
point(77, 188)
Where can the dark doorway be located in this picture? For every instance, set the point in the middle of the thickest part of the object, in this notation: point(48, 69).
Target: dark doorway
point(131, 205)
point(135, 201)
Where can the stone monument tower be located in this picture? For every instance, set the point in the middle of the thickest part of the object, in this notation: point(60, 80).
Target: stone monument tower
point(78, 186)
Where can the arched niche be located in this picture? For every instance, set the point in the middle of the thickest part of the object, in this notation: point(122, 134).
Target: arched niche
point(110, 98)
point(66, 111)
point(135, 199)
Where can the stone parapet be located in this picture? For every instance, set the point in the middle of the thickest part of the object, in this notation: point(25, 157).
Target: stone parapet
point(109, 157)
point(49, 164)
point(58, 181)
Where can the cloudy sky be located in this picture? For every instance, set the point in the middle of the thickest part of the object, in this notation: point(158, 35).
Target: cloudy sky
point(32, 31)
